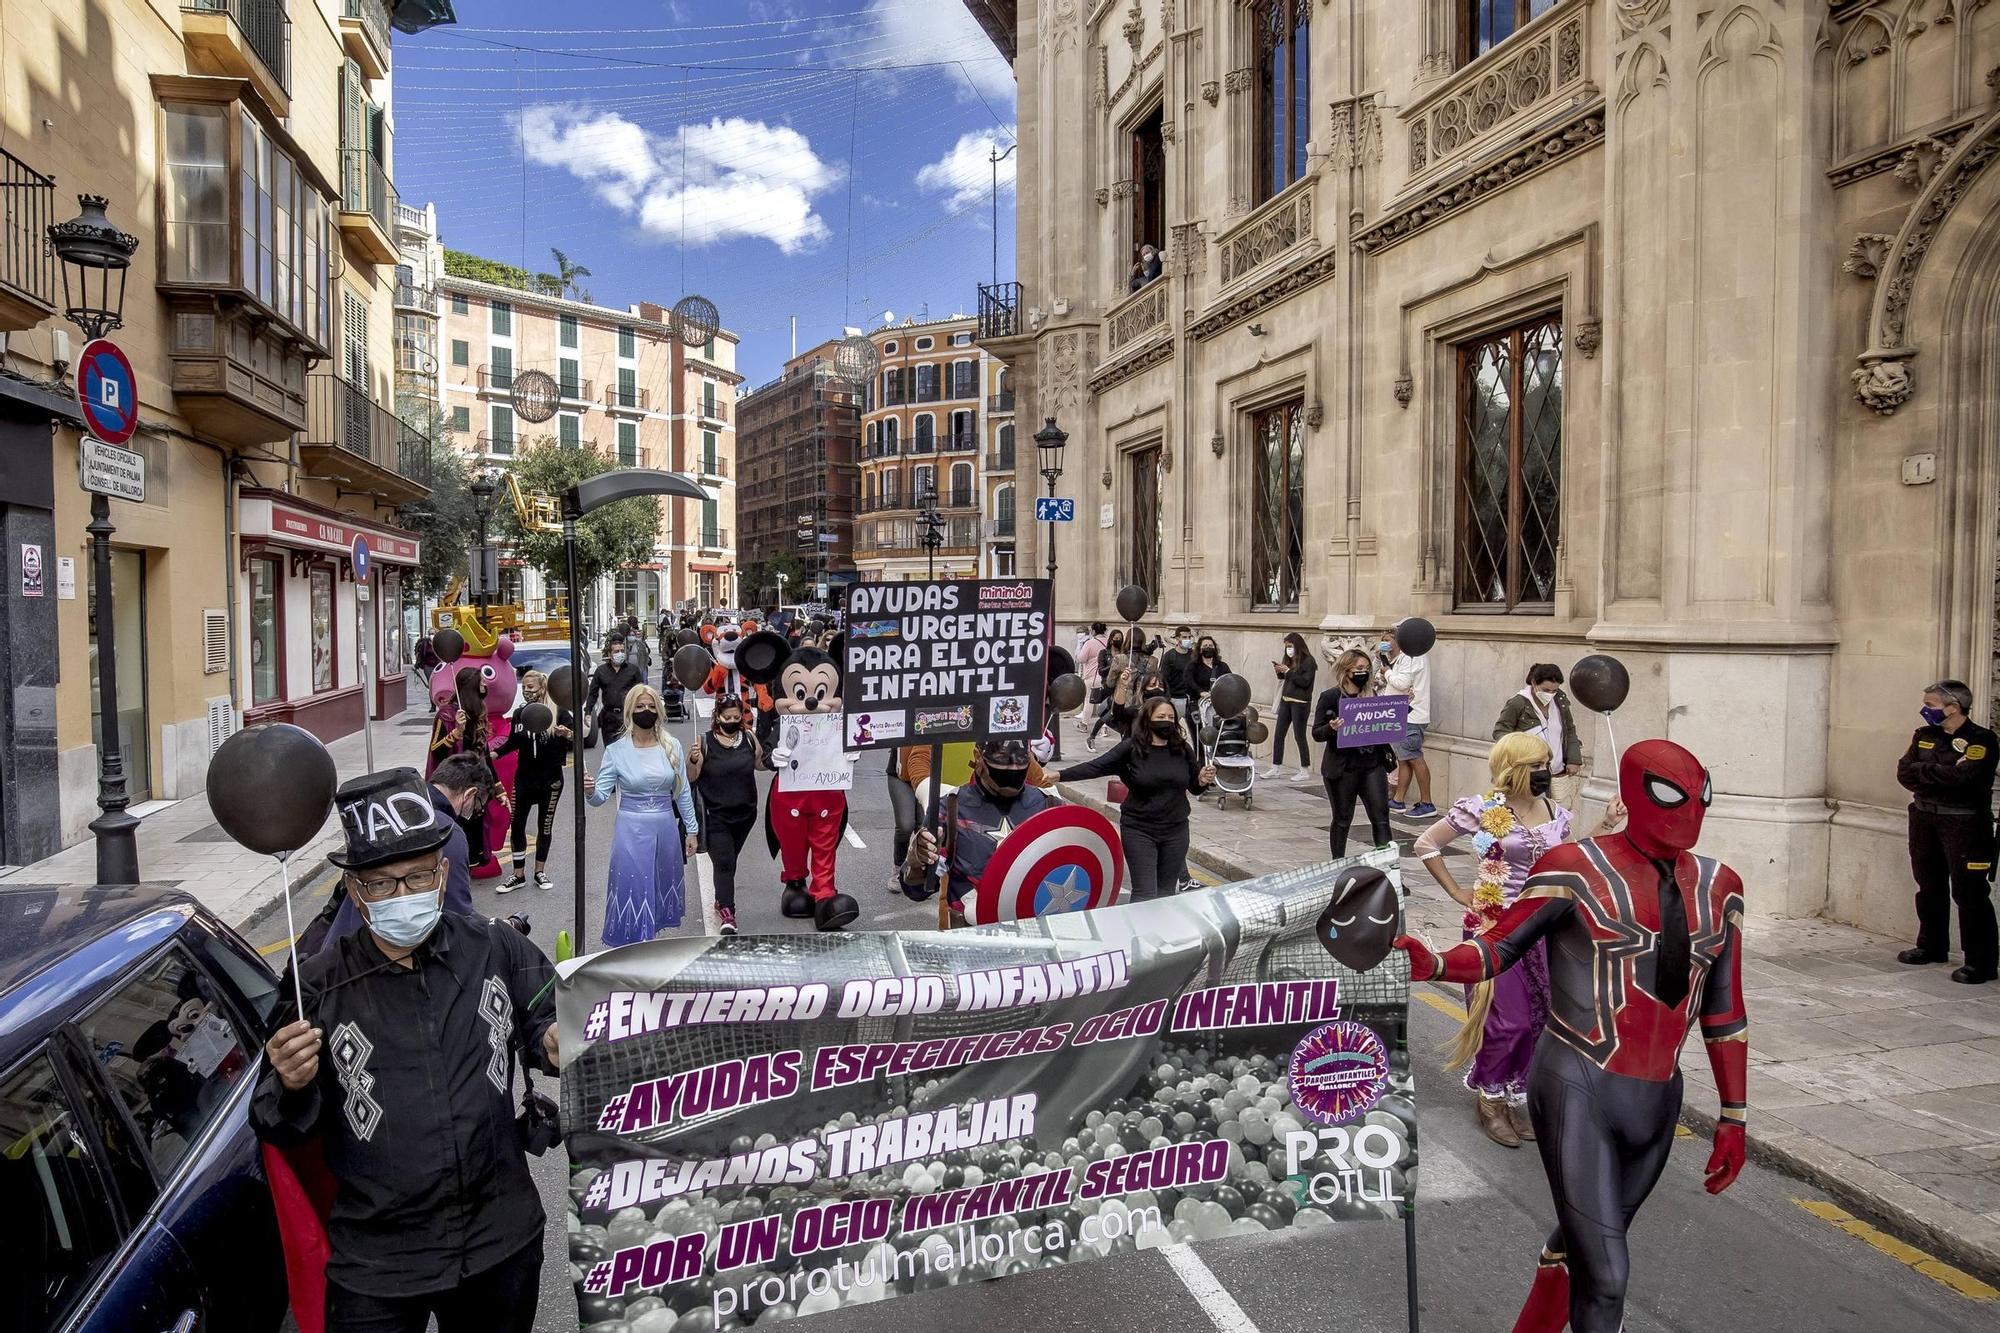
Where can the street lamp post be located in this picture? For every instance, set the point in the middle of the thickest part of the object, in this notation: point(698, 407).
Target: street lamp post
point(92, 252)
point(996, 157)
point(481, 491)
point(1049, 442)
point(933, 537)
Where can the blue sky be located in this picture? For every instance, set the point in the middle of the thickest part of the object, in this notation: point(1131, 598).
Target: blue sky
point(820, 158)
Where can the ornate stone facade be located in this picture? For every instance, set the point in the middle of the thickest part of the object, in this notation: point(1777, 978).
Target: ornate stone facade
point(1656, 187)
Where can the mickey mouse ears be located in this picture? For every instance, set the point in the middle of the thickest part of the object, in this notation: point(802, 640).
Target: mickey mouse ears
point(761, 656)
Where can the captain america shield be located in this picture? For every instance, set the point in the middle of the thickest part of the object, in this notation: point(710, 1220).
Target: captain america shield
point(1065, 859)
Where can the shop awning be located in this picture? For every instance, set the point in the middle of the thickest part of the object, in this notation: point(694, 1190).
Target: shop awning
point(287, 520)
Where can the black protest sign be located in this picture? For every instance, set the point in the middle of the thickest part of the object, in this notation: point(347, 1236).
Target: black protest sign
point(945, 660)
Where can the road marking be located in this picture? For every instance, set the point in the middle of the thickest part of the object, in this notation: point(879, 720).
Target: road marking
point(1214, 1300)
point(279, 947)
point(1449, 1008)
point(1202, 875)
point(711, 921)
point(1960, 1281)
point(854, 840)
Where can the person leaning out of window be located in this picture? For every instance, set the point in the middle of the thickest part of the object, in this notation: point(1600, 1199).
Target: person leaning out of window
point(1160, 771)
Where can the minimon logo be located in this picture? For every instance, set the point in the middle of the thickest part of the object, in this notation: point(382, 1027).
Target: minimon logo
point(1339, 1071)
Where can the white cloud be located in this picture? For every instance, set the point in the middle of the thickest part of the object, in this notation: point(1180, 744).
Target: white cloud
point(915, 32)
point(729, 178)
point(965, 174)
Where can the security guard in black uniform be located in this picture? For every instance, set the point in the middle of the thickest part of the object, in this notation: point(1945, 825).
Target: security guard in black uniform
point(1949, 772)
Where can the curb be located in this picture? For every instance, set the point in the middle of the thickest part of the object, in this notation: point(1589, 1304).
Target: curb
point(1959, 1237)
point(314, 883)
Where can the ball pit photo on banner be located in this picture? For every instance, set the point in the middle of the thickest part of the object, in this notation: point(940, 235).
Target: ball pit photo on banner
point(767, 1127)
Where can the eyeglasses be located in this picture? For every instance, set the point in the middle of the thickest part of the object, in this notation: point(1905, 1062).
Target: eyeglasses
point(388, 886)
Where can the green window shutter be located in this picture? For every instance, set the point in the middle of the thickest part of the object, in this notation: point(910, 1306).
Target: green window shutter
point(568, 432)
point(628, 444)
point(461, 418)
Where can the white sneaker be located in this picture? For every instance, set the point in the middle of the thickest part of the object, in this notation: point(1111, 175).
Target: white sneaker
point(1301, 775)
point(1272, 771)
point(514, 881)
point(543, 881)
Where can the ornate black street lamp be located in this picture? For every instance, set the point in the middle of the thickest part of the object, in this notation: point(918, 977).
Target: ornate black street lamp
point(1049, 442)
point(92, 253)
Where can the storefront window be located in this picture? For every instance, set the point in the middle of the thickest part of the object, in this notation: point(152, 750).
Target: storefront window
point(392, 625)
point(264, 632)
point(321, 582)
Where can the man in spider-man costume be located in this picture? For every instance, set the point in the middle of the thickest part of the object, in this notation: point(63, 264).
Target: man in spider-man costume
point(1643, 937)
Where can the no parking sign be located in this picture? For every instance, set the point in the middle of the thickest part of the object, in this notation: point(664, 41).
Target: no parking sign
point(107, 391)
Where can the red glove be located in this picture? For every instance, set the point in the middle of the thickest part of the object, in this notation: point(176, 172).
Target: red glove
point(1424, 965)
point(1726, 1162)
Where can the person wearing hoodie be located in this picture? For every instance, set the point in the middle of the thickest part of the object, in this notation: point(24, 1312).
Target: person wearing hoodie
point(1297, 671)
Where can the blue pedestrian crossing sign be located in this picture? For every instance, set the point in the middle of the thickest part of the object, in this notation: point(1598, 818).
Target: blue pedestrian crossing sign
point(1054, 509)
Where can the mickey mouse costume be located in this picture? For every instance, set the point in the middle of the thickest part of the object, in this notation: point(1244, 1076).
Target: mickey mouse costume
point(802, 828)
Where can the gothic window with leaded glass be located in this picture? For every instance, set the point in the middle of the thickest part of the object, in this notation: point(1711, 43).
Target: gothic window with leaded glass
point(1509, 467)
point(1277, 548)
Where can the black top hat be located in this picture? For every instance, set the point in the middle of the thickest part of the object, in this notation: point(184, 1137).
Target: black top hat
point(387, 816)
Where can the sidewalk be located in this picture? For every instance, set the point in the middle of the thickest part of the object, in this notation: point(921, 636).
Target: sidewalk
point(1877, 1082)
point(181, 845)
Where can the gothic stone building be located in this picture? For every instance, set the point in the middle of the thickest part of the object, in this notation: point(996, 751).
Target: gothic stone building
point(1662, 328)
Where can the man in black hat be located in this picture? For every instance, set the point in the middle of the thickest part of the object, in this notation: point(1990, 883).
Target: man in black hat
point(419, 1017)
point(456, 789)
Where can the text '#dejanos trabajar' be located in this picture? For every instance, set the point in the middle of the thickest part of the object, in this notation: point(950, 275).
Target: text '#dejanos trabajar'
point(775, 1130)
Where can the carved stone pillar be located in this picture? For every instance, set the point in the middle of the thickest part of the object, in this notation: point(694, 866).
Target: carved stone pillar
point(1717, 421)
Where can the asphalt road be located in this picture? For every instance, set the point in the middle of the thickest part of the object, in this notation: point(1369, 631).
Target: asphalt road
point(1751, 1259)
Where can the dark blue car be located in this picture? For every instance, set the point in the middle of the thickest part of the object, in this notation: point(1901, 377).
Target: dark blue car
point(131, 1034)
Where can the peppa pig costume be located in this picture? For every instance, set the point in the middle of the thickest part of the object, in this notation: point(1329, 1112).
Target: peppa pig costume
point(480, 684)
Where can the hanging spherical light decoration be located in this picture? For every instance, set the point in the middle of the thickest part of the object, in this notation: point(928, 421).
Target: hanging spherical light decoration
point(534, 395)
point(855, 359)
point(695, 320)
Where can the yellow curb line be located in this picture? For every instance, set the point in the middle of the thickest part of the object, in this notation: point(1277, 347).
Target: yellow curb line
point(1448, 1008)
point(279, 947)
point(1910, 1256)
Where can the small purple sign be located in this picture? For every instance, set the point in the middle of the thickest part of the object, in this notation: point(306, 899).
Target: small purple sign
point(1379, 719)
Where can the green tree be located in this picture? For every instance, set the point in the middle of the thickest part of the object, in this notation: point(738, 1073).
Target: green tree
point(566, 276)
point(760, 580)
point(609, 538)
point(460, 264)
point(444, 518)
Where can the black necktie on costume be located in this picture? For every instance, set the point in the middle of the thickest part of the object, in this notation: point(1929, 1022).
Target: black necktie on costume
point(1671, 950)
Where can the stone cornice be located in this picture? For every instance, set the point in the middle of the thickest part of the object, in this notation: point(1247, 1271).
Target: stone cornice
point(1115, 374)
point(1454, 196)
point(1312, 268)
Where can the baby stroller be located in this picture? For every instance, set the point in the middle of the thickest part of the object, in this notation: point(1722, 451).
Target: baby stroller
point(673, 699)
point(1227, 743)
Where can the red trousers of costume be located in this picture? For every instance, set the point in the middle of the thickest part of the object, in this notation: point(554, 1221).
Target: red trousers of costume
point(807, 825)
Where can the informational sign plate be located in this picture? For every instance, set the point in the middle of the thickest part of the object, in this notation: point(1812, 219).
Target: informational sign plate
point(1054, 509)
point(105, 469)
point(765, 1125)
point(945, 660)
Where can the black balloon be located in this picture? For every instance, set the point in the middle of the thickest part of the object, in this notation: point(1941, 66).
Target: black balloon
point(1361, 920)
point(692, 665)
point(1067, 692)
point(1257, 733)
point(535, 718)
point(1416, 636)
point(1230, 695)
point(449, 644)
point(1132, 602)
point(271, 787)
point(559, 687)
point(688, 636)
point(1060, 661)
point(1600, 683)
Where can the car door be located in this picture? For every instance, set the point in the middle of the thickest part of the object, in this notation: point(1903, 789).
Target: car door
point(176, 1054)
point(77, 1258)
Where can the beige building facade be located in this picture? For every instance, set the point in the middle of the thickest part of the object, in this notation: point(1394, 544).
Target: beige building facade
point(1668, 329)
point(628, 390)
point(248, 146)
point(922, 445)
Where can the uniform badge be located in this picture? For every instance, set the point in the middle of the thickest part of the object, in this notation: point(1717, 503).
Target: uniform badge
point(1958, 744)
point(1927, 745)
point(1975, 752)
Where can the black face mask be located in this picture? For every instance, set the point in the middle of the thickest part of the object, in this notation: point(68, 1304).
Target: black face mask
point(1360, 678)
point(1156, 694)
point(645, 720)
point(1007, 781)
point(1539, 781)
point(1163, 728)
point(729, 727)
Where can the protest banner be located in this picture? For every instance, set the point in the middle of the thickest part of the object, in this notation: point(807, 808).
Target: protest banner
point(771, 1127)
point(945, 660)
point(1373, 719)
point(813, 758)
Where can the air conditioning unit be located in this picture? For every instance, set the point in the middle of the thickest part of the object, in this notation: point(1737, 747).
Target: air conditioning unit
point(214, 641)
point(221, 723)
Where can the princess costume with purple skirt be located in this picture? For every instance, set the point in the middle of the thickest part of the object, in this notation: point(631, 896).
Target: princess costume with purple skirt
point(1507, 850)
point(647, 892)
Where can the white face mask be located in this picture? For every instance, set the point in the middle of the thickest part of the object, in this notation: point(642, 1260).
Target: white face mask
point(617, 659)
point(407, 921)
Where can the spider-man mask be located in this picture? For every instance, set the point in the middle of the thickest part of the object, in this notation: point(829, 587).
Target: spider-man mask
point(1666, 792)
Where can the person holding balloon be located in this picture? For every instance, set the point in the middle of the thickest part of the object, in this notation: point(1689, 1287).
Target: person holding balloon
point(723, 766)
point(541, 740)
point(655, 833)
point(1160, 770)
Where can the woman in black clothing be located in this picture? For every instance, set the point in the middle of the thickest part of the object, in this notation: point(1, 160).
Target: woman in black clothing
point(1160, 771)
point(1296, 676)
point(538, 781)
point(1207, 665)
point(723, 767)
point(1361, 771)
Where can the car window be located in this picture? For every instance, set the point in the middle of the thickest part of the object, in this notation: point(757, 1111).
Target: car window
point(253, 981)
point(57, 1204)
point(171, 1051)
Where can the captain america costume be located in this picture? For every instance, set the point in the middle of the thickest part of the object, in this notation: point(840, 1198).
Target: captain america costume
point(1644, 939)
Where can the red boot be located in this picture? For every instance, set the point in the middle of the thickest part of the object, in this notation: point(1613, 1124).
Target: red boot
point(1547, 1308)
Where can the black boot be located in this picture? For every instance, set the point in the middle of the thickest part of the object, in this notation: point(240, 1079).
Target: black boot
point(836, 912)
point(796, 903)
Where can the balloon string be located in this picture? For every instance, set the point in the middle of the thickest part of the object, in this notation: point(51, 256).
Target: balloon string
point(1613, 734)
point(292, 930)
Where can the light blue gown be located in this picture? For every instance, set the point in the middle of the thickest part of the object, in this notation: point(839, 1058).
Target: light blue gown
point(647, 892)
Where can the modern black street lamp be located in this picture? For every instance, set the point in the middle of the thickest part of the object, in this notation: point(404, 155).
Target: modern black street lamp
point(1049, 442)
point(481, 489)
point(91, 251)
